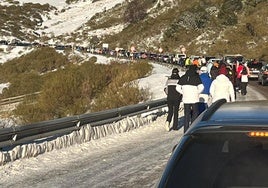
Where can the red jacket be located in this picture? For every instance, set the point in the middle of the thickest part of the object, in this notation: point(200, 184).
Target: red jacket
point(239, 69)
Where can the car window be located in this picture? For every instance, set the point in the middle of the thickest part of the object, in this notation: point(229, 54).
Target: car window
point(226, 160)
point(233, 58)
point(255, 65)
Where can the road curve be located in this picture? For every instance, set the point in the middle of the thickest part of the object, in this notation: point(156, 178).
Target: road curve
point(133, 159)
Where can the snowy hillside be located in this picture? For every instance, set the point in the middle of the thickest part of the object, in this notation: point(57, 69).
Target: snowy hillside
point(68, 18)
point(209, 28)
point(57, 3)
point(75, 16)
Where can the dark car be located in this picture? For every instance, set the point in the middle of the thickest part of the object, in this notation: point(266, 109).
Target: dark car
point(263, 75)
point(226, 146)
point(153, 56)
point(3, 42)
point(60, 47)
point(209, 57)
point(230, 59)
point(254, 68)
point(165, 58)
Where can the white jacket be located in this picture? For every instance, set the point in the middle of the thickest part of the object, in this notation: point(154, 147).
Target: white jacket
point(222, 88)
point(190, 93)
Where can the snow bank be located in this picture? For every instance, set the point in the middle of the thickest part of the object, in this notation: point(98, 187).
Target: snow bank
point(58, 3)
point(85, 134)
point(2, 86)
point(11, 52)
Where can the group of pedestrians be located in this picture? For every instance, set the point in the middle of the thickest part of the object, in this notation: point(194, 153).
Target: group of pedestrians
point(197, 89)
point(184, 89)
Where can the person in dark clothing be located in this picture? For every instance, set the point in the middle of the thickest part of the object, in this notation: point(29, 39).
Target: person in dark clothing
point(190, 86)
point(214, 71)
point(173, 100)
point(244, 80)
point(232, 77)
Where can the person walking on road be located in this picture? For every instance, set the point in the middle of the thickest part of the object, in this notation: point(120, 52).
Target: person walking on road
point(222, 88)
point(190, 86)
point(173, 100)
point(214, 70)
point(239, 68)
point(244, 79)
point(204, 95)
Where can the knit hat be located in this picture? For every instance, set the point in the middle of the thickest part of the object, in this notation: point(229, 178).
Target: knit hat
point(192, 67)
point(204, 69)
point(175, 71)
point(223, 70)
point(192, 70)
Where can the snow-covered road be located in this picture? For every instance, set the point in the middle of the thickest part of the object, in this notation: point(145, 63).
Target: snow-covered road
point(133, 159)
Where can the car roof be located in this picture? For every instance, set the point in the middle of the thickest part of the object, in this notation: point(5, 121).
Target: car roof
point(232, 55)
point(242, 111)
point(233, 115)
point(214, 59)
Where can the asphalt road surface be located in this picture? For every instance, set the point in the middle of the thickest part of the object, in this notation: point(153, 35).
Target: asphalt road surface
point(253, 83)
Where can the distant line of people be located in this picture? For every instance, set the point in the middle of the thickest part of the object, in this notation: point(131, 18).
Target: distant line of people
point(200, 87)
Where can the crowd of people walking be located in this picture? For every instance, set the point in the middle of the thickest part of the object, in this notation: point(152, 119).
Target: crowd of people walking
point(200, 86)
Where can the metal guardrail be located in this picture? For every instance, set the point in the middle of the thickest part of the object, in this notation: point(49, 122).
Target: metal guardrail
point(13, 136)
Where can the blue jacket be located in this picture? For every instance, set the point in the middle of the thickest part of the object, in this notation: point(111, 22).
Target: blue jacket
point(206, 81)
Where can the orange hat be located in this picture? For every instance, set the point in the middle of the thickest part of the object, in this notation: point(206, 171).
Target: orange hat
point(216, 64)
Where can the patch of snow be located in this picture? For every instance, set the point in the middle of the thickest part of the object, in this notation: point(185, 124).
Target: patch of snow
point(74, 16)
point(156, 81)
point(10, 52)
point(2, 86)
point(55, 3)
point(107, 31)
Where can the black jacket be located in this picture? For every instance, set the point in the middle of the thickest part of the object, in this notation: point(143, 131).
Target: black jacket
point(170, 89)
point(191, 77)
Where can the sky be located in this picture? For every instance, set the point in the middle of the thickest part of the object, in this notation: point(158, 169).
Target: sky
point(38, 171)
